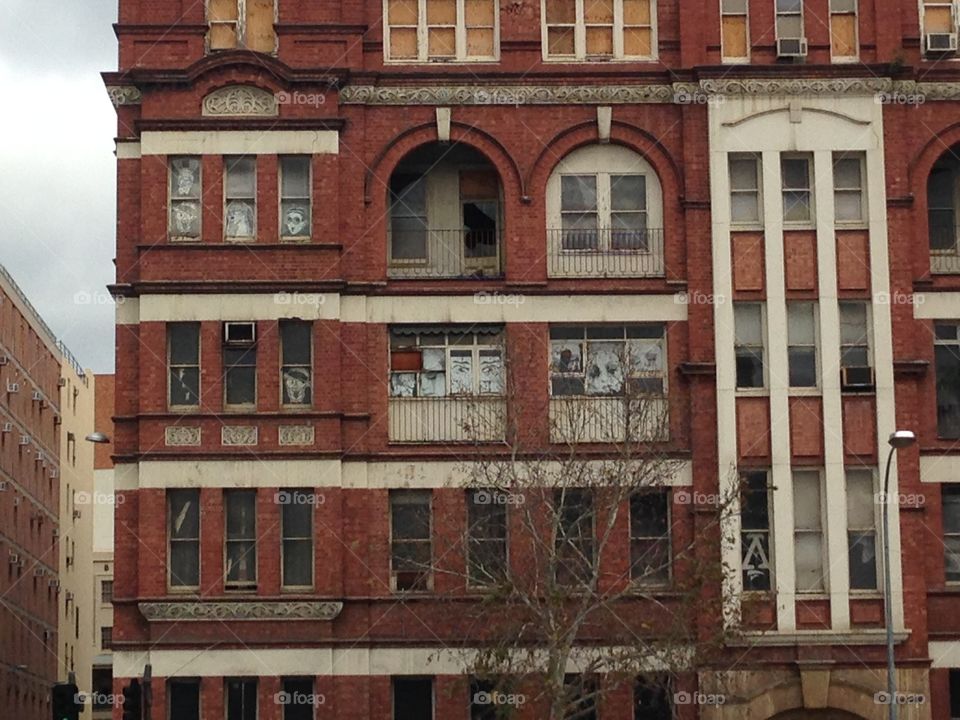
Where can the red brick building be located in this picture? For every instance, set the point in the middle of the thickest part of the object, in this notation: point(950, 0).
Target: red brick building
point(348, 230)
point(29, 506)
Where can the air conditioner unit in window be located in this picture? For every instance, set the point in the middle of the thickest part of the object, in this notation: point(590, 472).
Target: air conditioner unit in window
point(54, 584)
point(941, 42)
point(792, 47)
point(24, 439)
point(7, 427)
point(857, 377)
point(39, 572)
point(37, 396)
point(239, 333)
point(13, 387)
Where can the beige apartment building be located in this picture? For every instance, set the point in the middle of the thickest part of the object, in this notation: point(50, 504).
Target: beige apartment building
point(102, 558)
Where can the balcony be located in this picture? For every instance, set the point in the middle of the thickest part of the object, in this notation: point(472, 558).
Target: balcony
point(445, 215)
point(944, 249)
point(430, 253)
point(605, 253)
point(447, 419)
point(578, 419)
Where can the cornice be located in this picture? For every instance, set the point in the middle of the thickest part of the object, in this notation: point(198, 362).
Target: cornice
point(240, 610)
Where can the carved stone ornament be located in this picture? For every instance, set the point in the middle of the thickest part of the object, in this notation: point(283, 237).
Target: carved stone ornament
point(297, 434)
point(678, 93)
point(182, 436)
point(240, 101)
point(124, 95)
point(255, 610)
point(238, 435)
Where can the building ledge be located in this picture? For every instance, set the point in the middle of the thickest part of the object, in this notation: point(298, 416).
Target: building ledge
point(815, 637)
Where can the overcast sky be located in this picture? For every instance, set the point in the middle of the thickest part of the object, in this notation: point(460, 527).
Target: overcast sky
point(57, 169)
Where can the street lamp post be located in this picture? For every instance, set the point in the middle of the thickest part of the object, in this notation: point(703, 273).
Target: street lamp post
point(898, 439)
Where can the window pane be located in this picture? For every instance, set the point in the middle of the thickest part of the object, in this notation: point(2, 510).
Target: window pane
point(733, 6)
point(185, 178)
point(743, 174)
point(745, 208)
point(599, 41)
point(295, 337)
point(846, 174)
point(185, 386)
point(843, 6)
point(410, 514)
point(297, 562)
point(795, 174)
point(789, 26)
point(297, 513)
point(412, 699)
point(951, 509)
point(241, 699)
point(636, 12)
point(748, 324)
point(185, 563)
point(848, 206)
point(952, 558)
point(184, 340)
point(241, 514)
point(853, 323)
point(806, 500)
point(562, 11)
point(578, 193)
point(628, 192)
point(184, 514)
point(403, 12)
point(863, 560)
point(295, 177)
point(803, 367)
point(298, 696)
point(183, 699)
point(948, 390)
point(793, 6)
point(801, 324)
point(808, 549)
point(796, 206)
point(241, 177)
point(648, 514)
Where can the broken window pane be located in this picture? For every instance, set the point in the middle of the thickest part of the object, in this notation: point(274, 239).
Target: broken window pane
point(755, 532)
point(183, 351)
point(183, 532)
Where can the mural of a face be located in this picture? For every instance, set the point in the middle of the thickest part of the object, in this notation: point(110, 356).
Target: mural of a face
point(239, 220)
point(185, 181)
point(185, 218)
point(295, 223)
point(296, 386)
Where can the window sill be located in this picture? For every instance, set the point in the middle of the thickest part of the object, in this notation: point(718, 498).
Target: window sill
point(746, 227)
point(240, 408)
point(752, 392)
point(240, 590)
point(804, 392)
point(444, 61)
point(599, 60)
point(846, 60)
point(858, 225)
point(179, 240)
point(735, 60)
point(798, 227)
point(240, 240)
point(183, 409)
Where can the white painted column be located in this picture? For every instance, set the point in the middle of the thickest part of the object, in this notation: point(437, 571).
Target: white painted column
point(837, 570)
point(779, 384)
point(726, 384)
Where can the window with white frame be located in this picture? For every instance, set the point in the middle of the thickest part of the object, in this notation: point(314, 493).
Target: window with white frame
point(789, 19)
point(808, 541)
point(797, 189)
point(428, 30)
point(862, 529)
point(650, 537)
point(603, 211)
point(749, 345)
point(849, 206)
point(950, 500)
point(247, 24)
point(756, 561)
point(854, 334)
point(295, 217)
point(843, 30)
point(734, 30)
point(183, 538)
point(939, 26)
point(745, 205)
point(185, 205)
point(240, 538)
point(411, 546)
point(240, 199)
point(947, 364)
point(608, 360)
point(446, 361)
point(802, 344)
point(599, 29)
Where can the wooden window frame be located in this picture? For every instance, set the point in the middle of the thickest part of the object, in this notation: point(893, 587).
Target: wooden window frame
point(862, 189)
point(172, 199)
point(815, 314)
point(293, 496)
point(810, 189)
point(868, 335)
point(239, 28)
point(855, 57)
point(171, 367)
point(239, 585)
point(580, 37)
point(228, 163)
point(284, 365)
point(171, 587)
point(777, 14)
point(821, 531)
point(736, 59)
point(494, 499)
point(875, 528)
point(412, 497)
point(306, 200)
point(460, 31)
point(764, 350)
point(757, 191)
point(640, 533)
point(767, 530)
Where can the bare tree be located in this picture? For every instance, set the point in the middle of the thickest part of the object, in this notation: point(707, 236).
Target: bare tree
point(593, 578)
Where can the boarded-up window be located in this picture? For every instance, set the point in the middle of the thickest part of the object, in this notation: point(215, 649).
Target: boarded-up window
point(938, 17)
point(245, 24)
point(423, 30)
point(843, 29)
point(734, 29)
point(599, 29)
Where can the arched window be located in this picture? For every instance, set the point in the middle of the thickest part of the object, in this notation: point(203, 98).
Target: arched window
point(445, 214)
point(943, 202)
point(605, 214)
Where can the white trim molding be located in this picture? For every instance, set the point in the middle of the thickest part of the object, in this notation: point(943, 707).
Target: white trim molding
point(240, 142)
